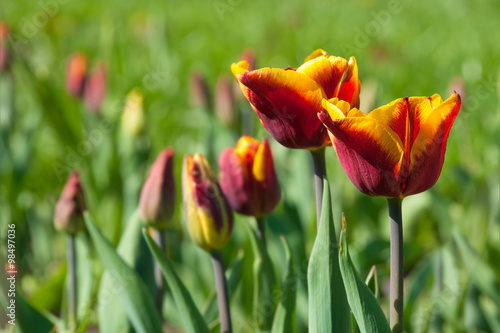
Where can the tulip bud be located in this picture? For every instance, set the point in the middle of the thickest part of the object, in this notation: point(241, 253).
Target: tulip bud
point(4, 52)
point(76, 70)
point(224, 101)
point(208, 214)
point(133, 114)
point(68, 214)
point(157, 202)
point(248, 178)
point(95, 88)
point(200, 94)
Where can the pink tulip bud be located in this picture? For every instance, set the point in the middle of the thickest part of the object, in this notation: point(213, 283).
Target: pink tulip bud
point(95, 88)
point(68, 214)
point(4, 52)
point(199, 91)
point(224, 101)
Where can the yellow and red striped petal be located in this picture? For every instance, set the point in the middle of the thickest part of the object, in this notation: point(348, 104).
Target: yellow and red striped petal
point(326, 74)
point(350, 85)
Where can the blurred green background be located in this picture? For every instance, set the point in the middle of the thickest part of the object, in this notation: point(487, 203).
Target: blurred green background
point(403, 48)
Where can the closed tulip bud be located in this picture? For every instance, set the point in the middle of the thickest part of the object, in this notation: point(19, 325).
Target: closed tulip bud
point(133, 114)
point(157, 202)
point(76, 70)
point(208, 214)
point(200, 94)
point(4, 52)
point(95, 88)
point(248, 178)
point(224, 101)
point(68, 214)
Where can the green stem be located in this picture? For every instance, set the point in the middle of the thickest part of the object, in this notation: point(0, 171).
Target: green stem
point(318, 157)
point(397, 269)
point(72, 320)
point(159, 238)
point(222, 294)
point(261, 229)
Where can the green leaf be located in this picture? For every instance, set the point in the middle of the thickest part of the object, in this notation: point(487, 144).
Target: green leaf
point(191, 317)
point(372, 281)
point(134, 294)
point(482, 274)
point(284, 319)
point(364, 305)
point(28, 319)
point(264, 284)
point(328, 307)
point(135, 253)
point(490, 311)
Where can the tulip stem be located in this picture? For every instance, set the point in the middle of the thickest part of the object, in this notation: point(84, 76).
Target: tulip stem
point(159, 238)
point(222, 294)
point(261, 230)
point(71, 253)
point(397, 269)
point(318, 157)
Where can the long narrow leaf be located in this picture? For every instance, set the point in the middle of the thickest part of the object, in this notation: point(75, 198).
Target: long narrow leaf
point(191, 316)
point(364, 305)
point(328, 307)
point(135, 296)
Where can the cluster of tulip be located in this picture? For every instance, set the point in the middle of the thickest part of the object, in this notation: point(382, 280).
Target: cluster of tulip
point(393, 151)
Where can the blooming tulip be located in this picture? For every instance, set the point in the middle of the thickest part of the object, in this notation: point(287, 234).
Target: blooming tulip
point(208, 214)
point(157, 202)
point(287, 100)
point(248, 178)
point(68, 214)
point(396, 150)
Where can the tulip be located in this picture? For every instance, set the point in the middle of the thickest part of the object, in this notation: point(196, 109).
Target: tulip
point(4, 52)
point(225, 107)
point(199, 91)
point(68, 214)
point(287, 100)
point(133, 119)
point(210, 222)
point(157, 201)
point(95, 88)
point(395, 151)
point(76, 71)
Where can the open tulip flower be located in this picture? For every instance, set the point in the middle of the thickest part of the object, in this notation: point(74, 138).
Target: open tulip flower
point(287, 100)
point(248, 177)
point(396, 150)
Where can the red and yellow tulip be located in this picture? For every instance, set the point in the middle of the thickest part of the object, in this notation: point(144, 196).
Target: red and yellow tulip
point(287, 100)
point(248, 178)
point(208, 214)
point(396, 150)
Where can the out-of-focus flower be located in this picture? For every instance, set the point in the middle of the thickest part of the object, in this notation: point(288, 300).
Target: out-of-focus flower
point(248, 178)
point(68, 214)
point(225, 107)
point(396, 150)
point(157, 202)
point(208, 214)
point(132, 121)
point(76, 71)
point(287, 100)
point(199, 91)
point(4, 52)
point(95, 88)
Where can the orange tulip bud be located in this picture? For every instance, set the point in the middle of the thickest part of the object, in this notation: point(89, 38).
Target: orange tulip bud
point(68, 214)
point(4, 52)
point(208, 214)
point(248, 178)
point(287, 100)
point(95, 88)
point(396, 150)
point(76, 70)
point(157, 202)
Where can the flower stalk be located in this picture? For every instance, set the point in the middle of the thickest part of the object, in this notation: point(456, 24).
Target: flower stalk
point(159, 238)
point(261, 230)
point(397, 269)
point(222, 294)
point(71, 253)
point(318, 157)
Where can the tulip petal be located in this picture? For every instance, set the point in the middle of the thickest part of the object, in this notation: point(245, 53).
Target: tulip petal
point(323, 72)
point(370, 153)
point(265, 175)
point(428, 150)
point(286, 102)
point(315, 54)
point(350, 86)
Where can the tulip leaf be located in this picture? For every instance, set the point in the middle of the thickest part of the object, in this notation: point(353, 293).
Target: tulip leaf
point(135, 253)
point(482, 274)
point(191, 317)
point(27, 318)
point(134, 293)
point(284, 319)
point(365, 307)
point(328, 307)
point(264, 284)
point(372, 281)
